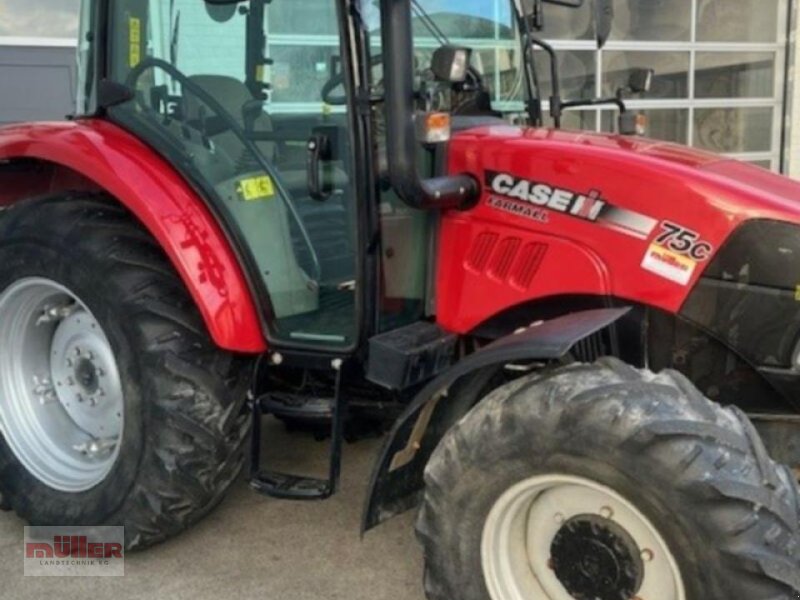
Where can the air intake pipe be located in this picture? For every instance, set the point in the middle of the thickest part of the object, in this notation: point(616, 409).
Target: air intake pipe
point(456, 191)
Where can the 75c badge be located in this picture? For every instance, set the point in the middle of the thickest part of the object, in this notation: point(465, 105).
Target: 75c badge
point(684, 241)
point(675, 253)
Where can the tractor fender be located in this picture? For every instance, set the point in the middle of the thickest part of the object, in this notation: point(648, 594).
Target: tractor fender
point(397, 478)
point(124, 167)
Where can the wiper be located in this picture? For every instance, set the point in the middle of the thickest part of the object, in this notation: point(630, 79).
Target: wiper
point(429, 23)
point(532, 75)
point(176, 30)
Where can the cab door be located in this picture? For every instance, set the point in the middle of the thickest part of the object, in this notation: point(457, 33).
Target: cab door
point(234, 96)
point(310, 117)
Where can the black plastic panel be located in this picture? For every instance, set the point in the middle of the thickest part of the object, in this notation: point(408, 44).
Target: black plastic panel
point(410, 355)
point(748, 297)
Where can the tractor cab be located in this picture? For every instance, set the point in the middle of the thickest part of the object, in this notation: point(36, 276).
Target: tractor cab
point(308, 136)
point(286, 138)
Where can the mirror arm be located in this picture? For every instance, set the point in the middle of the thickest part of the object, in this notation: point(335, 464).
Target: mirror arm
point(556, 104)
point(534, 100)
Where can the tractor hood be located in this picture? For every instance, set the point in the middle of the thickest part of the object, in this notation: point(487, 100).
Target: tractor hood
point(628, 217)
point(754, 191)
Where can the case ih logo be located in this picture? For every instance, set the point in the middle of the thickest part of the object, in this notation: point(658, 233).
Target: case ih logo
point(74, 551)
point(584, 206)
point(532, 199)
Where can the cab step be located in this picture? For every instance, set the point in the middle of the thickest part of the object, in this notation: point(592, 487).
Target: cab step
point(289, 486)
point(296, 406)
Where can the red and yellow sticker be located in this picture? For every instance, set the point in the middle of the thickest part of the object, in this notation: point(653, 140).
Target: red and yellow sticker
point(256, 188)
point(668, 264)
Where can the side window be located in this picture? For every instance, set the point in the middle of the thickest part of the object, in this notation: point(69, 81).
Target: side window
point(234, 104)
point(488, 28)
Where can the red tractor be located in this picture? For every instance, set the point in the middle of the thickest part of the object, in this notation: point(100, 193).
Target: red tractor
point(586, 347)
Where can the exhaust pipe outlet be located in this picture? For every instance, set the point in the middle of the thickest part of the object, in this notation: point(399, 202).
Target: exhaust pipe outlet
point(456, 191)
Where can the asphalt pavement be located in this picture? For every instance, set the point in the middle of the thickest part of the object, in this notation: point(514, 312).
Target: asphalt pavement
point(255, 547)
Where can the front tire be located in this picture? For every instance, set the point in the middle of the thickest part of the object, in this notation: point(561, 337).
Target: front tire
point(138, 418)
point(604, 482)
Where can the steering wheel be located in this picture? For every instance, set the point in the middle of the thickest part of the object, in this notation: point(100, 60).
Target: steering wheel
point(230, 123)
point(338, 80)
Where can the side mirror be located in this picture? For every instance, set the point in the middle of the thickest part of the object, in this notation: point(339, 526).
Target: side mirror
point(641, 80)
point(221, 13)
point(450, 64)
point(603, 20)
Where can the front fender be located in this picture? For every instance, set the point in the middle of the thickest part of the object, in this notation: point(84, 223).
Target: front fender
point(167, 206)
point(397, 478)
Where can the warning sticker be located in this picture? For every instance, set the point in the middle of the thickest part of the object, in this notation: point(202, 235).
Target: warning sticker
point(135, 39)
point(256, 188)
point(668, 264)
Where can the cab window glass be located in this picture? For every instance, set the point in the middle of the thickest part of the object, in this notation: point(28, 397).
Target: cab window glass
point(234, 106)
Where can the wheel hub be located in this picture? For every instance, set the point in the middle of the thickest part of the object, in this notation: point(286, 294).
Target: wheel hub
point(562, 537)
point(61, 399)
point(596, 559)
point(85, 377)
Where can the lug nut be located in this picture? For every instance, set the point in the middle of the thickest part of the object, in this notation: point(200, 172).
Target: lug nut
point(648, 555)
point(606, 512)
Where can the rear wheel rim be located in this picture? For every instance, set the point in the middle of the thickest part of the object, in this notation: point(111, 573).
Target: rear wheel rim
point(559, 537)
point(61, 399)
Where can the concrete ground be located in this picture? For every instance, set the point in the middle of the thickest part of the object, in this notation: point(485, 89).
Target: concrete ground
point(255, 547)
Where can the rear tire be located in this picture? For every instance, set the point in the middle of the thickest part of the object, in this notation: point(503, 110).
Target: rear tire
point(185, 428)
point(697, 473)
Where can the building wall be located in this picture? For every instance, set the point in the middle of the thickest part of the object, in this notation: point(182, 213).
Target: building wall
point(719, 64)
point(38, 79)
point(38, 59)
point(793, 120)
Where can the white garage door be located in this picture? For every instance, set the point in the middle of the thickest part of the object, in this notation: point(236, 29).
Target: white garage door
point(38, 80)
point(37, 59)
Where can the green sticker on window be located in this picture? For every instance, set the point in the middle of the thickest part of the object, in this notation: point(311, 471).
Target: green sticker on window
point(256, 188)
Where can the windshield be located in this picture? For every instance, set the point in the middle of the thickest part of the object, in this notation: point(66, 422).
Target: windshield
point(486, 26)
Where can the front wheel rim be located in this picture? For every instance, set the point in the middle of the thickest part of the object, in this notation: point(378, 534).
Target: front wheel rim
point(536, 525)
point(61, 399)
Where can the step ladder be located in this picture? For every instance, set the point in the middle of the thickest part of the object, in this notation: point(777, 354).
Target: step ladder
point(289, 486)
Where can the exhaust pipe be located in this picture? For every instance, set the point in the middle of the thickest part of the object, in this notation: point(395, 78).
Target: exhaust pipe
point(457, 191)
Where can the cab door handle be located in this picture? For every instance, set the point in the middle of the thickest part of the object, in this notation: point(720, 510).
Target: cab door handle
point(319, 152)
